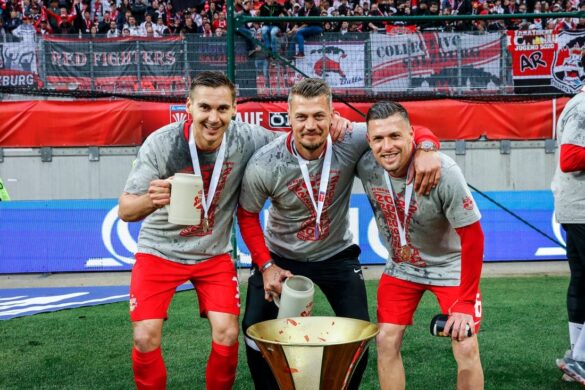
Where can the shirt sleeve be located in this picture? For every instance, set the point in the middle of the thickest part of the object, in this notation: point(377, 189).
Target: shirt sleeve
point(253, 237)
point(572, 158)
point(254, 190)
point(144, 170)
point(425, 134)
point(458, 204)
point(472, 245)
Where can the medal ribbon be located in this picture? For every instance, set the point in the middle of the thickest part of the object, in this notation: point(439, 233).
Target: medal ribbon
point(318, 206)
point(407, 199)
point(206, 202)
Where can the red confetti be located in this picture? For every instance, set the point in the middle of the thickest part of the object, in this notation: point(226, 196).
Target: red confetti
point(306, 338)
point(292, 322)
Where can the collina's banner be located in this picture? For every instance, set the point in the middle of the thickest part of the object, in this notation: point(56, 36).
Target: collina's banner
point(547, 62)
point(88, 235)
point(119, 64)
point(436, 61)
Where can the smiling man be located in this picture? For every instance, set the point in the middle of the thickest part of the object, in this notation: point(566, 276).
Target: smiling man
point(434, 242)
point(308, 179)
point(168, 255)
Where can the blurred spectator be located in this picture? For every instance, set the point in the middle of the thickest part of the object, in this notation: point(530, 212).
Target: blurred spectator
point(3, 32)
point(219, 32)
point(160, 28)
point(43, 27)
point(270, 31)
point(147, 19)
point(305, 30)
point(126, 32)
point(245, 30)
point(189, 26)
point(149, 31)
point(134, 28)
point(138, 11)
point(377, 26)
point(97, 11)
point(113, 31)
point(207, 32)
point(11, 24)
point(219, 21)
point(25, 32)
point(105, 24)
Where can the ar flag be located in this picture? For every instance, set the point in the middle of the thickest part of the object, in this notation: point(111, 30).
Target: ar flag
point(112, 57)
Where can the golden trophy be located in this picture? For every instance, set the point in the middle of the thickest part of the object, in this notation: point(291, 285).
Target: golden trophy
point(306, 353)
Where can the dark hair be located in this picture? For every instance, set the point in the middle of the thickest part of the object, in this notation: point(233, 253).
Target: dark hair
point(310, 88)
point(385, 109)
point(212, 79)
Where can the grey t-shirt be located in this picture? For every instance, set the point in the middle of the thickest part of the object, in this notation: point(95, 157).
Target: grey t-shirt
point(166, 152)
point(274, 172)
point(569, 188)
point(435, 246)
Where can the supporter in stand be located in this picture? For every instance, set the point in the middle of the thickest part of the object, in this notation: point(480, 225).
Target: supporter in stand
point(160, 29)
point(25, 32)
point(138, 9)
point(105, 24)
point(147, 19)
point(189, 26)
point(113, 31)
point(305, 30)
point(43, 27)
point(270, 31)
point(3, 33)
point(13, 22)
point(375, 26)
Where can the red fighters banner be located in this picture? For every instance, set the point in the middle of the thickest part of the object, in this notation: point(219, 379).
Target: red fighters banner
point(547, 62)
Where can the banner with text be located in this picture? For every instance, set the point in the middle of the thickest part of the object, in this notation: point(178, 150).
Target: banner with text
point(546, 62)
point(113, 63)
point(87, 235)
point(18, 64)
point(436, 61)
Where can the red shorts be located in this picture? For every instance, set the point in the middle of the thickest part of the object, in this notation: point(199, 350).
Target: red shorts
point(398, 300)
point(155, 280)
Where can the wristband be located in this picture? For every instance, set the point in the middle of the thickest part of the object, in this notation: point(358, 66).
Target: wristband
point(266, 265)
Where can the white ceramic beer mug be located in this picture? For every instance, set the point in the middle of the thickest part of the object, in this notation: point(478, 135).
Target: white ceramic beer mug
point(296, 298)
point(183, 210)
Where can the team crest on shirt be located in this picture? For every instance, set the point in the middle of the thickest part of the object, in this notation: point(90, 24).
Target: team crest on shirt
point(468, 203)
point(206, 171)
point(298, 187)
point(383, 198)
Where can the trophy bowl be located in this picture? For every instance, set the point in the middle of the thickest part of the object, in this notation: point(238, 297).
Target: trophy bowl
point(306, 353)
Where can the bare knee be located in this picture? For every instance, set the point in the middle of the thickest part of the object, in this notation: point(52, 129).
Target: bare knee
point(147, 335)
point(224, 328)
point(466, 352)
point(389, 339)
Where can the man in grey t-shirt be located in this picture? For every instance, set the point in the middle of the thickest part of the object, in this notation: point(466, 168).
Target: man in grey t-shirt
point(217, 148)
point(569, 192)
point(434, 243)
point(308, 180)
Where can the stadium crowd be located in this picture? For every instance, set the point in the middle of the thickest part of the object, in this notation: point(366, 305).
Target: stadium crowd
point(26, 19)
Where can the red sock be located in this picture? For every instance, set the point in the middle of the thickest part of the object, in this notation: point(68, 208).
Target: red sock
point(149, 369)
point(221, 366)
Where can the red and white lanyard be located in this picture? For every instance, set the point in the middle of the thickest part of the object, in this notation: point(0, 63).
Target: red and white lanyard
point(318, 206)
point(405, 249)
point(206, 201)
